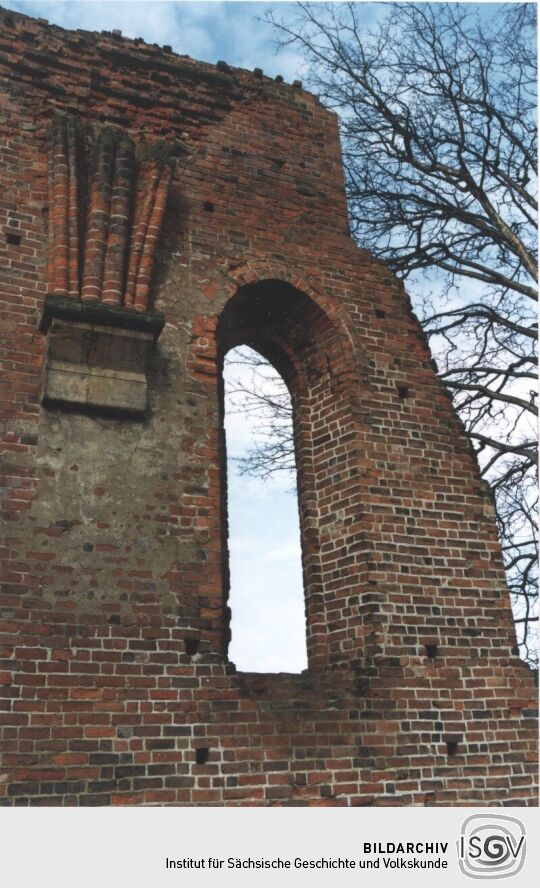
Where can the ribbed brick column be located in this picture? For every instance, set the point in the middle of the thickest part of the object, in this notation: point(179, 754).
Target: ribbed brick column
point(146, 267)
point(116, 257)
point(59, 214)
point(145, 235)
point(119, 221)
point(73, 211)
point(97, 230)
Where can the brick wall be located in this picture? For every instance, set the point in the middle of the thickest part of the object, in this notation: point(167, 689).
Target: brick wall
point(140, 187)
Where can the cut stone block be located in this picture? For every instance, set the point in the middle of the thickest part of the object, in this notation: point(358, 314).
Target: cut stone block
point(97, 357)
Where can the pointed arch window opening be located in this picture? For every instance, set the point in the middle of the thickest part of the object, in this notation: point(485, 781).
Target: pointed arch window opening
point(304, 339)
point(266, 599)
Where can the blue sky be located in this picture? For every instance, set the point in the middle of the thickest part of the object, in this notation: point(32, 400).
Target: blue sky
point(267, 602)
point(267, 596)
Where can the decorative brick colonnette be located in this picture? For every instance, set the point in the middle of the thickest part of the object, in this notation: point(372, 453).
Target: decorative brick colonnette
point(154, 213)
point(102, 245)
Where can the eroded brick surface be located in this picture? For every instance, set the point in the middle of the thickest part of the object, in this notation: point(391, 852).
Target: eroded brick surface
point(114, 677)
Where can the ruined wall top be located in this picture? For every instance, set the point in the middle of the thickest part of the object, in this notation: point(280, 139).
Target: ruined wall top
point(130, 83)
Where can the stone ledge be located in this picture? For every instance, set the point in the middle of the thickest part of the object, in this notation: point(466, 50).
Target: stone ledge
point(99, 313)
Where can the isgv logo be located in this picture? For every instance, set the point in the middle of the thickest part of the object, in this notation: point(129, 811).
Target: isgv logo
point(491, 846)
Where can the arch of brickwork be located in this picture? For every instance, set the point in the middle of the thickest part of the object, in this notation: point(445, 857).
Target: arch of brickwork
point(154, 212)
point(314, 355)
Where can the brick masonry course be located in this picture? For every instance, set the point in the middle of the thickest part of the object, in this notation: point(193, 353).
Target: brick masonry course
point(142, 187)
